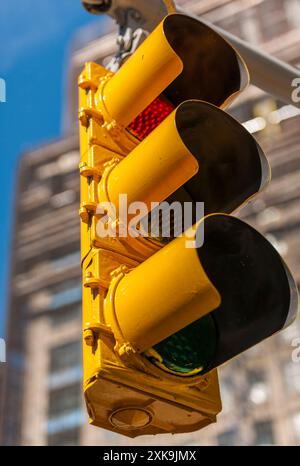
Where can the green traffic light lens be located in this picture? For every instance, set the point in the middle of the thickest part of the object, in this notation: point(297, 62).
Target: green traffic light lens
point(189, 351)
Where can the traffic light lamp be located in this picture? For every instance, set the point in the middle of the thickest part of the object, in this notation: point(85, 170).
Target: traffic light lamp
point(162, 312)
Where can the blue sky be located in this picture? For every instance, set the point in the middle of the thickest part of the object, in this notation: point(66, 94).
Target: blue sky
point(34, 42)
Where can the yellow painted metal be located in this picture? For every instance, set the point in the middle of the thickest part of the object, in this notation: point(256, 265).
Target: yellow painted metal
point(124, 392)
point(152, 68)
point(154, 169)
point(95, 125)
point(99, 146)
point(161, 296)
point(135, 293)
point(215, 72)
point(171, 407)
point(119, 389)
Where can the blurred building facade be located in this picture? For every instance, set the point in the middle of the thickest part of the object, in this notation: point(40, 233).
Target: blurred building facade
point(260, 389)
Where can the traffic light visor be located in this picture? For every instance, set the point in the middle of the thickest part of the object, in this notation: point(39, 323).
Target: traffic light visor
point(232, 165)
point(182, 59)
point(258, 298)
point(198, 153)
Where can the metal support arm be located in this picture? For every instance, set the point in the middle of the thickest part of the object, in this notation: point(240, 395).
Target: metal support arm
point(270, 74)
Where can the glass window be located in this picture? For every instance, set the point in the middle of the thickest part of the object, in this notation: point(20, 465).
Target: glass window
point(64, 400)
point(250, 27)
point(293, 331)
point(227, 438)
point(65, 422)
point(227, 390)
point(67, 438)
point(259, 390)
point(273, 19)
point(292, 8)
point(66, 261)
point(264, 433)
point(292, 376)
point(64, 164)
point(69, 162)
point(16, 360)
point(67, 314)
point(65, 356)
point(65, 297)
point(64, 198)
point(35, 198)
point(296, 426)
point(65, 377)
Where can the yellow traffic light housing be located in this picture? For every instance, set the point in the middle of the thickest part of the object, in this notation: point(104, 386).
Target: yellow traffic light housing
point(183, 59)
point(161, 314)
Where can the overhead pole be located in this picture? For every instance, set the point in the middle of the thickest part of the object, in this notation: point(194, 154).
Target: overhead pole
point(268, 73)
point(170, 5)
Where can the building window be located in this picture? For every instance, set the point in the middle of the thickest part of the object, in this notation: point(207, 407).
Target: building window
point(227, 389)
point(259, 390)
point(227, 438)
point(296, 427)
point(65, 357)
point(67, 438)
point(65, 297)
point(273, 19)
point(292, 8)
point(16, 360)
point(64, 198)
point(264, 433)
point(292, 376)
point(34, 198)
point(71, 420)
point(64, 400)
point(61, 295)
point(65, 163)
point(293, 331)
point(66, 261)
point(68, 314)
point(65, 377)
point(250, 27)
point(64, 410)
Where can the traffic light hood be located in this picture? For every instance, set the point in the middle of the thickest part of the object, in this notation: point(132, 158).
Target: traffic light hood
point(259, 295)
point(258, 298)
point(203, 305)
point(212, 70)
point(232, 165)
point(182, 59)
point(198, 154)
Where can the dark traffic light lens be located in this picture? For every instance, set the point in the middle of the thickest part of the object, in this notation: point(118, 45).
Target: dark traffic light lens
point(258, 298)
point(188, 351)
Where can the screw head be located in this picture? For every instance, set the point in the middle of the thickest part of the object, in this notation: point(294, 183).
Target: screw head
point(89, 337)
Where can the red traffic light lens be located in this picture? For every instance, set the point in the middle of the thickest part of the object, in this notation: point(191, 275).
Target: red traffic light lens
point(151, 117)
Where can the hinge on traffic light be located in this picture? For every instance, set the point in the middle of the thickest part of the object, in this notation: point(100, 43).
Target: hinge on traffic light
point(129, 39)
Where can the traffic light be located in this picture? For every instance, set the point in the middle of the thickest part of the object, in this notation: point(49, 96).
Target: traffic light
point(162, 312)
